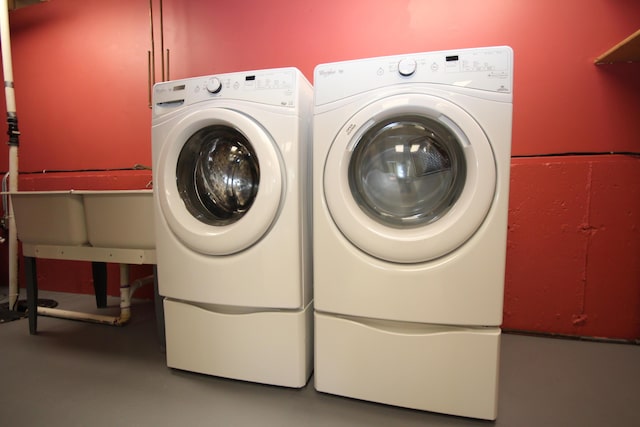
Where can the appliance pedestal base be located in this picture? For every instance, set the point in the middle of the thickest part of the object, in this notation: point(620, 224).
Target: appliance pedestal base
point(446, 369)
point(270, 347)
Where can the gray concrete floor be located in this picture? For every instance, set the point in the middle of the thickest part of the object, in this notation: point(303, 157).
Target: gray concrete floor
point(81, 374)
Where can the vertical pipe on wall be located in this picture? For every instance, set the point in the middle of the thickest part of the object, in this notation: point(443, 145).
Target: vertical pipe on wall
point(12, 121)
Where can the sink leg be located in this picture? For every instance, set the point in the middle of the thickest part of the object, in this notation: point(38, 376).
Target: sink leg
point(32, 293)
point(99, 270)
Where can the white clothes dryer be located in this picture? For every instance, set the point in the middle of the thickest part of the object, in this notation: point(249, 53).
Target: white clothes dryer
point(411, 184)
point(231, 159)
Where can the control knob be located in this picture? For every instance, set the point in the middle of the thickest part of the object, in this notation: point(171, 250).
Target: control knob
point(407, 67)
point(214, 85)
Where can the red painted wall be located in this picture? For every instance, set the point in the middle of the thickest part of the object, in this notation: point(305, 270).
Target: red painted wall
point(80, 71)
point(82, 97)
point(573, 247)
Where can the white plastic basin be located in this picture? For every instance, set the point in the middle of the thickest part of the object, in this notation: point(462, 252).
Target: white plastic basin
point(120, 219)
point(50, 218)
point(107, 219)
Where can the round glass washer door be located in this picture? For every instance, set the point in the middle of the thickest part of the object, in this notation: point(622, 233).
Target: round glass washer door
point(409, 178)
point(221, 181)
point(218, 175)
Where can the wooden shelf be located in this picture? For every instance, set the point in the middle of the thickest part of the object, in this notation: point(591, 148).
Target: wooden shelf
point(17, 4)
point(628, 50)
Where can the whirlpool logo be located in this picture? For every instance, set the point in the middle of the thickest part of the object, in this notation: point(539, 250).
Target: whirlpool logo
point(329, 72)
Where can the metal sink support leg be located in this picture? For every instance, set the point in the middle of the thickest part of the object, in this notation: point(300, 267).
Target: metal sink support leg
point(99, 270)
point(32, 293)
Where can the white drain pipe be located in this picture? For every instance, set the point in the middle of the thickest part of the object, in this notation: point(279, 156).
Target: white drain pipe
point(12, 121)
point(126, 294)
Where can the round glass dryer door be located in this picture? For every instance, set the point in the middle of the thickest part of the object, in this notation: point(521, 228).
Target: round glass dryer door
point(409, 178)
point(407, 171)
point(220, 181)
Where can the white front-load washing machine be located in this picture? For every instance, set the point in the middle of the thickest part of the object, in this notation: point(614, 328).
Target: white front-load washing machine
point(411, 164)
point(231, 160)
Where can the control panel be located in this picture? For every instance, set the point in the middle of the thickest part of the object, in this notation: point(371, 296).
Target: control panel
point(273, 87)
point(487, 69)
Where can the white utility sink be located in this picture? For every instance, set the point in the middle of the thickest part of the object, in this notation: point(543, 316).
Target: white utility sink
point(101, 219)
